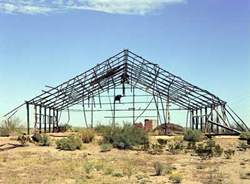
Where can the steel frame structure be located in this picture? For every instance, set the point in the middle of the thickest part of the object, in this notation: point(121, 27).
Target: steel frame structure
point(205, 111)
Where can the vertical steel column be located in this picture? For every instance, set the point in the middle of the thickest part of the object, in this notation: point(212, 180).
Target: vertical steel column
point(92, 112)
point(217, 121)
point(49, 120)
point(57, 119)
point(197, 120)
point(45, 120)
point(201, 120)
point(192, 122)
point(35, 110)
point(28, 118)
point(206, 120)
point(133, 105)
point(114, 108)
point(53, 120)
point(40, 119)
point(212, 119)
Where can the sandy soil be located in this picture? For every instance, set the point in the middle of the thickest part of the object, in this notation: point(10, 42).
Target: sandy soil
point(35, 164)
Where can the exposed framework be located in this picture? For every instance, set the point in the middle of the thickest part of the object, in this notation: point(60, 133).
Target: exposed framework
point(205, 111)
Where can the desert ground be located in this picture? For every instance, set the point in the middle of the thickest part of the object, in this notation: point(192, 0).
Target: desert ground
point(37, 164)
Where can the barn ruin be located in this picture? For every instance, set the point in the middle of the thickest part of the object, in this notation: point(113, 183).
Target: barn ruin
point(123, 76)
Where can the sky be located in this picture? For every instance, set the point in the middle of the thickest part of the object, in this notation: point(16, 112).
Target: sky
point(206, 42)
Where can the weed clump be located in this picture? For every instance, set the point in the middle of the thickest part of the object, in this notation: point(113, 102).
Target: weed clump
point(87, 135)
point(125, 137)
point(242, 146)
point(10, 127)
point(245, 136)
point(45, 140)
point(70, 143)
point(193, 135)
point(162, 141)
point(175, 178)
point(175, 147)
point(229, 153)
point(65, 128)
point(106, 147)
point(209, 149)
point(155, 149)
point(41, 139)
point(159, 168)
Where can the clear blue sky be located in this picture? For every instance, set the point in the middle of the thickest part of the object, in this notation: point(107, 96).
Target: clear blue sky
point(206, 42)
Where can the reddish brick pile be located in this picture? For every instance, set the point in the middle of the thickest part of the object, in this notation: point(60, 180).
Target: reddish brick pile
point(148, 125)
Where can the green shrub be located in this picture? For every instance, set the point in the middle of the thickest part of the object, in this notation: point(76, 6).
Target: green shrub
point(175, 178)
point(209, 149)
point(117, 174)
point(106, 147)
point(10, 126)
point(168, 169)
point(41, 139)
point(175, 147)
point(162, 141)
point(125, 137)
point(70, 143)
point(36, 137)
point(193, 135)
point(102, 129)
point(88, 166)
point(191, 145)
point(155, 149)
point(218, 150)
point(245, 135)
point(87, 135)
point(229, 153)
point(159, 168)
point(65, 128)
point(242, 146)
point(45, 140)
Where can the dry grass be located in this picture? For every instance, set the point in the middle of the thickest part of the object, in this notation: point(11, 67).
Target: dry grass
point(34, 164)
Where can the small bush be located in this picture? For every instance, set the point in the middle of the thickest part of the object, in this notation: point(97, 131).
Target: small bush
point(193, 135)
point(36, 137)
point(45, 140)
point(128, 170)
point(41, 139)
point(65, 127)
point(159, 168)
point(108, 171)
point(229, 153)
point(175, 178)
point(88, 167)
point(106, 147)
point(70, 143)
point(242, 146)
point(125, 137)
point(191, 145)
point(10, 126)
point(155, 149)
point(87, 135)
point(245, 135)
point(175, 147)
point(162, 141)
point(102, 129)
point(117, 174)
point(209, 149)
point(169, 168)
